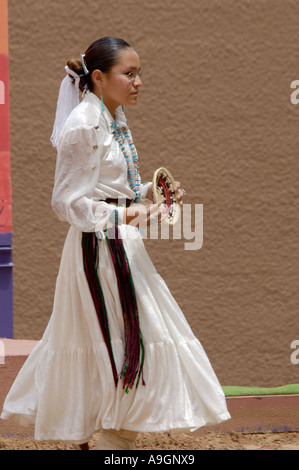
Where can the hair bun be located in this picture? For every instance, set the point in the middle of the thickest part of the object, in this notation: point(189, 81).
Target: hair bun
point(75, 65)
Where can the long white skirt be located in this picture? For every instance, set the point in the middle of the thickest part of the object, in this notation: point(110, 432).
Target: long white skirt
point(66, 387)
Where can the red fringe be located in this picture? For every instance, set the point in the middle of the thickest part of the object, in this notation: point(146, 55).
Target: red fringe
point(133, 361)
point(134, 349)
point(89, 245)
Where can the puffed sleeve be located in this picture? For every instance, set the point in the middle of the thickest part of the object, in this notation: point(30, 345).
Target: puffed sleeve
point(77, 172)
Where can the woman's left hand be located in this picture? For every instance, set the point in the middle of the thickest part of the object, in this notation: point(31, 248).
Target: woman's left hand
point(180, 192)
point(177, 189)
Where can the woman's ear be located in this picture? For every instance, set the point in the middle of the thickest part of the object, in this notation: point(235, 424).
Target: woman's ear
point(97, 78)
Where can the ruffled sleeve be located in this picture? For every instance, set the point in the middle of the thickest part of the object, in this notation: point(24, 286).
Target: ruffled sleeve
point(79, 156)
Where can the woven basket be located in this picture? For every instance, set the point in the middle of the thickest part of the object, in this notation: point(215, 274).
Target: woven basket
point(163, 190)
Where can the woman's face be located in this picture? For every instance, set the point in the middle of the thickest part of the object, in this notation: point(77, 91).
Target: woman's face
point(120, 86)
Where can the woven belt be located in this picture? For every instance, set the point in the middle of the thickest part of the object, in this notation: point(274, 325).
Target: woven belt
point(120, 202)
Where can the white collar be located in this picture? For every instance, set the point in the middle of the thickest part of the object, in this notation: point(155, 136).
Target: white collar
point(120, 117)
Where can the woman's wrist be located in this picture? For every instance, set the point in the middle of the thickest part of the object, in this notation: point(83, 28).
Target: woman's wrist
point(149, 194)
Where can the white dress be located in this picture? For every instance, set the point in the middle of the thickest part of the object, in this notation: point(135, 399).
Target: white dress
point(66, 387)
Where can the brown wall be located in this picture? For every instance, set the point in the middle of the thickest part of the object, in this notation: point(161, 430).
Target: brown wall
point(216, 110)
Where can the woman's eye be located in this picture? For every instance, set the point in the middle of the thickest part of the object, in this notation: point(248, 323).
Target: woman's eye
point(129, 74)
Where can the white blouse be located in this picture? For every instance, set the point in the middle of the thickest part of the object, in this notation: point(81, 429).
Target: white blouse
point(91, 167)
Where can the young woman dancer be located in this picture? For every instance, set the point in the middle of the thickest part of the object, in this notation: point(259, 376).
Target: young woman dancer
point(118, 354)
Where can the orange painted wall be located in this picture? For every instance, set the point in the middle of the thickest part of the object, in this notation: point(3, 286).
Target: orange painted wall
point(5, 183)
point(3, 27)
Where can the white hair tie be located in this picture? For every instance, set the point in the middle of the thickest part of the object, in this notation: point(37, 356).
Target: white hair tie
point(68, 99)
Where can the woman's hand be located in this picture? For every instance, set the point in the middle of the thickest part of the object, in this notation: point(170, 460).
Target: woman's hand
point(177, 189)
point(149, 194)
point(142, 215)
point(180, 192)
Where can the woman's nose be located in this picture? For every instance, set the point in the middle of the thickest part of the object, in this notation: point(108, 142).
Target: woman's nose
point(137, 81)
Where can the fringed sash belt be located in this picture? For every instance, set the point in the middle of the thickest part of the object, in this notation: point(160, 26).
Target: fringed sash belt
point(134, 348)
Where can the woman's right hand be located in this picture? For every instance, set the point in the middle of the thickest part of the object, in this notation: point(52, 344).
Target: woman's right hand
point(142, 215)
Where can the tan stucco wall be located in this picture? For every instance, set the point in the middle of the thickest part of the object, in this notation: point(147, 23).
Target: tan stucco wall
point(216, 110)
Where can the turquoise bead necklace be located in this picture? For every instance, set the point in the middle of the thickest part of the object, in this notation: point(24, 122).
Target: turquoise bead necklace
point(133, 170)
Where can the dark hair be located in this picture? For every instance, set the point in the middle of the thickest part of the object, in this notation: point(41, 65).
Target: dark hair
point(102, 54)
